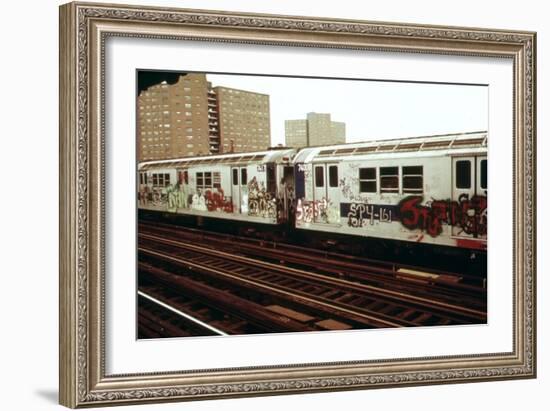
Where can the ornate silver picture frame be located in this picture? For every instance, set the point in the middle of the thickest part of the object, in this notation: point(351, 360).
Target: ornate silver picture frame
point(85, 32)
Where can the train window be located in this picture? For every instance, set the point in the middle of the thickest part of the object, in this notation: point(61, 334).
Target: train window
point(204, 180)
point(244, 177)
point(463, 174)
point(319, 176)
point(208, 179)
point(216, 179)
point(161, 180)
point(483, 176)
point(271, 178)
point(333, 176)
point(367, 180)
point(235, 177)
point(389, 179)
point(412, 179)
point(200, 180)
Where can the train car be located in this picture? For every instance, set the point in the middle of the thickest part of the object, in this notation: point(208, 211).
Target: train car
point(425, 195)
point(250, 187)
point(429, 190)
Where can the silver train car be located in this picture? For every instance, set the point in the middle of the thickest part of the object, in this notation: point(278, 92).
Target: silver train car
point(425, 190)
point(241, 187)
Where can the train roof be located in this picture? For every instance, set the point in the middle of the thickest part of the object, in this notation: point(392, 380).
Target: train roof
point(448, 142)
point(438, 143)
point(267, 156)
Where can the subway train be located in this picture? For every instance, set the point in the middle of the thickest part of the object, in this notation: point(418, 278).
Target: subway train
point(429, 191)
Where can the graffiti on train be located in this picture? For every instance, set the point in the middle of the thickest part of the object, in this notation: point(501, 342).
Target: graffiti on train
point(212, 200)
point(318, 211)
point(469, 214)
point(218, 201)
point(261, 203)
point(346, 186)
point(362, 214)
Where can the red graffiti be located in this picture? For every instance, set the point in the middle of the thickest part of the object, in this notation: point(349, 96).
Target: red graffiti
point(183, 177)
point(469, 214)
point(216, 201)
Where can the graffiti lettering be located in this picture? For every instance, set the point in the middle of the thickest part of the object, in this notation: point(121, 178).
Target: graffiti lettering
point(217, 201)
point(347, 191)
point(260, 202)
point(319, 211)
point(198, 202)
point(154, 196)
point(210, 200)
point(468, 214)
point(177, 197)
point(361, 214)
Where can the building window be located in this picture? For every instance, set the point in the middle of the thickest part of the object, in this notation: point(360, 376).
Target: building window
point(235, 177)
point(463, 171)
point(413, 179)
point(483, 174)
point(367, 180)
point(319, 176)
point(333, 176)
point(244, 177)
point(389, 179)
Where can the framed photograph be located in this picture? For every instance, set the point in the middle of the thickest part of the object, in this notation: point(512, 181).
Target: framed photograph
point(261, 204)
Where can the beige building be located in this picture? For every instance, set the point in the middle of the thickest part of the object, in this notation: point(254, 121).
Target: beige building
point(244, 123)
point(316, 130)
point(192, 118)
point(173, 119)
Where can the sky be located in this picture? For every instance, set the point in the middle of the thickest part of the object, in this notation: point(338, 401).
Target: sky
point(371, 109)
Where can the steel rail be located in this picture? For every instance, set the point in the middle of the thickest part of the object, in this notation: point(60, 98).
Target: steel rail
point(398, 295)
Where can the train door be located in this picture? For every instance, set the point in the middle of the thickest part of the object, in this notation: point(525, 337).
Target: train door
point(332, 186)
point(235, 189)
point(319, 190)
point(481, 188)
point(286, 193)
point(325, 190)
point(469, 196)
point(239, 189)
point(480, 230)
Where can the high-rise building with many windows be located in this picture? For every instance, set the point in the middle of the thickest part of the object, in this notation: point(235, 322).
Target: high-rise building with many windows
point(316, 130)
point(191, 118)
point(244, 120)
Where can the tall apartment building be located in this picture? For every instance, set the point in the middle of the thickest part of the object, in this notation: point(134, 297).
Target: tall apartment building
point(173, 119)
point(316, 130)
point(192, 118)
point(244, 120)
